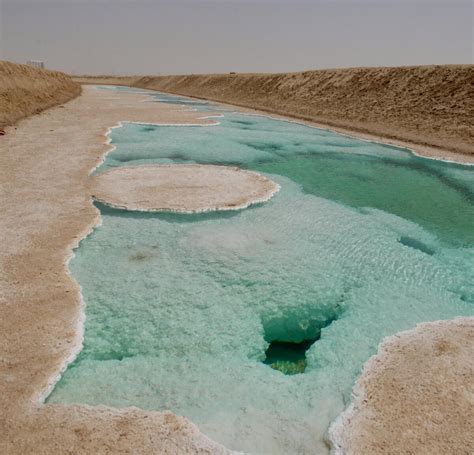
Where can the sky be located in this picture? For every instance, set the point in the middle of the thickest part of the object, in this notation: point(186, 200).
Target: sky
point(218, 36)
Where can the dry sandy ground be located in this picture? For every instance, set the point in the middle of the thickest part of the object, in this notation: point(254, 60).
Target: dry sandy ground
point(426, 108)
point(416, 396)
point(107, 80)
point(46, 210)
point(182, 188)
point(410, 398)
point(25, 90)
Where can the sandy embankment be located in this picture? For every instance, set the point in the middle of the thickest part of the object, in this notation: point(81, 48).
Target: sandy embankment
point(127, 81)
point(425, 108)
point(46, 210)
point(25, 90)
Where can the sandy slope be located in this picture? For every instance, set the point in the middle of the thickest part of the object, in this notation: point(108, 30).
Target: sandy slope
point(25, 90)
point(106, 80)
point(427, 106)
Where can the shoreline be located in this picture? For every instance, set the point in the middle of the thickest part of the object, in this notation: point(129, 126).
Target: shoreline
point(422, 151)
point(81, 317)
point(419, 150)
point(405, 146)
point(121, 123)
point(423, 106)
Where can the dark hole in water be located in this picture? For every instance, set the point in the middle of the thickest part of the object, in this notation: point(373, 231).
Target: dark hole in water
point(287, 357)
point(292, 334)
point(264, 147)
point(416, 244)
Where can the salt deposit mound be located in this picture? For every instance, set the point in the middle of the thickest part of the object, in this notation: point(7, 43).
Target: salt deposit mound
point(181, 188)
point(424, 105)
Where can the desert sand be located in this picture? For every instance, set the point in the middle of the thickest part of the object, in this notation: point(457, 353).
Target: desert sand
point(181, 188)
point(427, 108)
point(25, 90)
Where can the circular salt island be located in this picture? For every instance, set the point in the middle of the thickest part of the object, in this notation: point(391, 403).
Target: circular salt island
point(181, 188)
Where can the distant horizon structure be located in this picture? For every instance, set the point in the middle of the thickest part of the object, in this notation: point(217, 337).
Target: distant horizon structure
point(35, 63)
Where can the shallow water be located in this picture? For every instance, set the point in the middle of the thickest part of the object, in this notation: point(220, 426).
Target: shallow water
point(362, 241)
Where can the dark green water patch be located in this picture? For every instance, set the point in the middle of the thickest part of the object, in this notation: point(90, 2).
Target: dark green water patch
point(148, 128)
point(127, 158)
point(289, 358)
point(170, 217)
point(412, 189)
point(242, 122)
point(264, 147)
point(292, 334)
point(416, 244)
point(178, 156)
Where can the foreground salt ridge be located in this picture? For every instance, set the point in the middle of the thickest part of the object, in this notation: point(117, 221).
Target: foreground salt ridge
point(360, 428)
point(182, 188)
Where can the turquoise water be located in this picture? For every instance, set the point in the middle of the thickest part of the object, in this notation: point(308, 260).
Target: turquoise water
point(362, 241)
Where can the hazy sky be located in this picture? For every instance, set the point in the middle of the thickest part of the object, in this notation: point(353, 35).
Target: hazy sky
point(200, 36)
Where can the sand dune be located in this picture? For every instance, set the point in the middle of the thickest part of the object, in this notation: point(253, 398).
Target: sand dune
point(423, 105)
point(25, 90)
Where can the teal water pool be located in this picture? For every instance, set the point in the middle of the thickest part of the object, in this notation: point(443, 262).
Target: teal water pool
point(362, 241)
